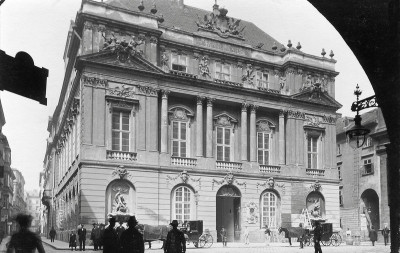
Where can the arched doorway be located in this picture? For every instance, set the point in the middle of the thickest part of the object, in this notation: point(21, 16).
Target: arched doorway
point(228, 212)
point(370, 208)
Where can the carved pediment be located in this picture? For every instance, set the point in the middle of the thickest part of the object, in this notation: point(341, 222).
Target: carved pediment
point(135, 62)
point(225, 120)
point(318, 97)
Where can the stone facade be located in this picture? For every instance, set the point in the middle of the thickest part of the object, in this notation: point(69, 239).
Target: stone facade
point(195, 123)
point(363, 172)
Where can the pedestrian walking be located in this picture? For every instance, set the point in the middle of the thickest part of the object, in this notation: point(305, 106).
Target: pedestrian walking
point(317, 237)
point(95, 236)
point(373, 235)
point(176, 242)
point(24, 240)
point(267, 233)
point(301, 236)
point(72, 240)
point(82, 237)
point(131, 238)
point(223, 237)
point(110, 238)
point(52, 234)
point(101, 236)
point(385, 233)
point(246, 236)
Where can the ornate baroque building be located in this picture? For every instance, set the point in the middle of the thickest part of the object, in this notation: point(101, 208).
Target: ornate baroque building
point(168, 116)
point(363, 176)
point(18, 202)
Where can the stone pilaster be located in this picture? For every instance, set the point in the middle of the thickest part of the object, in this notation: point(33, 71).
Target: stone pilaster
point(281, 137)
point(199, 126)
point(209, 128)
point(164, 121)
point(244, 131)
point(253, 132)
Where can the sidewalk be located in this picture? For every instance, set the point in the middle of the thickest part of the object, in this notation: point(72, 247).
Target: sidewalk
point(61, 245)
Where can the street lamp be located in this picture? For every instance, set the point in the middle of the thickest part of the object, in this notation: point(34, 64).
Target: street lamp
point(358, 133)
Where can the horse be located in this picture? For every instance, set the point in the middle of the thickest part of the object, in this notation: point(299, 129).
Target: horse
point(292, 232)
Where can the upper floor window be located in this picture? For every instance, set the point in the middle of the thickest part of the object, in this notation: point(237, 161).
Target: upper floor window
point(263, 148)
point(339, 168)
point(262, 79)
point(340, 197)
point(223, 144)
point(312, 152)
point(222, 71)
point(120, 130)
point(368, 142)
point(338, 151)
point(179, 138)
point(368, 167)
point(179, 62)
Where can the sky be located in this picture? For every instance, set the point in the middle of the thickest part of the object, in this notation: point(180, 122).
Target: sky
point(40, 28)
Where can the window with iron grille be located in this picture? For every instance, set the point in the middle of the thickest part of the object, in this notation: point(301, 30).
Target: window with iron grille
point(179, 138)
point(262, 80)
point(183, 203)
point(312, 152)
point(120, 130)
point(263, 147)
point(269, 211)
point(179, 62)
point(223, 144)
point(222, 71)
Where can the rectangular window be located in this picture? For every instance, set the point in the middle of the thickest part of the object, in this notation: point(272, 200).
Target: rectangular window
point(340, 197)
point(263, 147)
point(339, 172)
point(222, 71)
point(223, 144)
point(338, 151)
point(179, 139)
point(312, 152)
point(368, 167)
point(368, 142)
point(179, 62)
point(120, 131)
point(262, 80)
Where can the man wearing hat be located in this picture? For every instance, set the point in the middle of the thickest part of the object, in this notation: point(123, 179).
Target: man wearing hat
point(82, 237)
point(110, 238)
point(132, 239)
point(176, 242)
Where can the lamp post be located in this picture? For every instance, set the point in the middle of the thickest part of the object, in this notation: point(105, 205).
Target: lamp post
point(358, 132)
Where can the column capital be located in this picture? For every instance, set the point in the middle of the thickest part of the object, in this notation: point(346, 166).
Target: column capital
point(253, 108)
point(164, 94)
point(245, 106)
point(210, 101)
point(200, 100)
point(282, 113)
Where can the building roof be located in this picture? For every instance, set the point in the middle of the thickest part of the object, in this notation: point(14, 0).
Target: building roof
point(184, 17)
point(345, 123)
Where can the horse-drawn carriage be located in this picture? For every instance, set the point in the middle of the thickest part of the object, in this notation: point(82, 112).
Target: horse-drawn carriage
point(193, 231)
point(329, 237)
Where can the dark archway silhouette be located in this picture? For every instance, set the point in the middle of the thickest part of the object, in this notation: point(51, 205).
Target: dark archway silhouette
point(371, 28)
point(370, 202)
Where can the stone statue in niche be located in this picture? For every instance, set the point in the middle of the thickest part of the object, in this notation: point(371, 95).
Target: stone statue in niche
point(120, 205)
point(315, 207)
point(203, 67)
point(248, 74)
point(164, 61)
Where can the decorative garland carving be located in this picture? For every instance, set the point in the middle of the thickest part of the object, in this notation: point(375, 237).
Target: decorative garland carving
point(269, 183)
point(121, 172)
point(94, 81)
point(312, 120)
point(178, 114)
point(329, 119)
point(265, 126)
point(316, 186)
point(124, 92)
point(124, 50)
point(229, 179)
point(147, 90)
point(220, 23)
point(203, 67)
point(224, 120)
point(185, 177)
point(296, 114)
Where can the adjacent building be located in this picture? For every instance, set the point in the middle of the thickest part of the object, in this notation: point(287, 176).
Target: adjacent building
point(19, 204)
point(363, 175)
point(169, 116)
point(33, 208)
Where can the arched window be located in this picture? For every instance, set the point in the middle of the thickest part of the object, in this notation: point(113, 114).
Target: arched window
point(269, 209)
point(183, 204)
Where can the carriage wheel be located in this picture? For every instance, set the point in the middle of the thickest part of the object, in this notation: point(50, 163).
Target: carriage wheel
point(326, 243)
point(208, 241)
point(336, 240)
point(202, 241)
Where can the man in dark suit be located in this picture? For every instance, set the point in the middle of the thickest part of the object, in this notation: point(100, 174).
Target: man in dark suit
point(82, 237)
point(176, 242)
point(132, 239)
point(385, 233)
point(317, 237)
